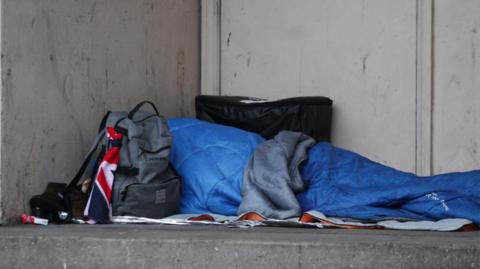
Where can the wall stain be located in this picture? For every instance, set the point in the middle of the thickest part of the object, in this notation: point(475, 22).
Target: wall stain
point(474, 52)
point(363, 11)
point(228, 39)
point(92, 11)
point(469, 112)
point(249, 60)
point(149, 6)
point(79, 132)
point(454, 81)
point(106, 79)
point(20, 188)
point(152, 71)
point(300, 70)
point(472, 150)
point(32, 24)
point(65, 90)
point(146, 68)
point(374, 100)
point(364, 62)
point(90, 93)
point(25, 174)
point(7, 88)
point(51, 47)
point(180, 82)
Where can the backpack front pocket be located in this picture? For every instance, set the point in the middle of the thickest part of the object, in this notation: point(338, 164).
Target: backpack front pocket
point(154, 200)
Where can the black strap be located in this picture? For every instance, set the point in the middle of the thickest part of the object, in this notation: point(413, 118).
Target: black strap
point(103, 123)
point(130, 171)
point(137, 107)
point(121, 130)
point(85, 163)
point(155, 151)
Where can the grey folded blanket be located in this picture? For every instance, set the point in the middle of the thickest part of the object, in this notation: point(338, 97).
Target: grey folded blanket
point(271, 178)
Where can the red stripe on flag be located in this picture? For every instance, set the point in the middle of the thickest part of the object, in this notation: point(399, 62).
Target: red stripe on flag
point(112, 156)
point(112, 134)
point(103, 184)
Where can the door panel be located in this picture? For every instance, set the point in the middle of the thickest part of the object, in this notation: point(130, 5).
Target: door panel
point(362, 54)
point(456, 104)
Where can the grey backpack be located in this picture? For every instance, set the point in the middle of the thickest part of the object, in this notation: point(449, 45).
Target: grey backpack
point(144, 185)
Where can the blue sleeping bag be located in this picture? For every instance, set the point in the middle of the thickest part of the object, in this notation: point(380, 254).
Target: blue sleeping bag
point(211, 159)
point(345, 184)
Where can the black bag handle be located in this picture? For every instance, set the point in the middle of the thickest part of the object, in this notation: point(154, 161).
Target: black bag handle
point(137, 107)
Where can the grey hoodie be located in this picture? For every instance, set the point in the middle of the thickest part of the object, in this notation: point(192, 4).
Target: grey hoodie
point(271, 178)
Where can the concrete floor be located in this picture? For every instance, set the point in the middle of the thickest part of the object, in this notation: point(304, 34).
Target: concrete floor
point(202, 246)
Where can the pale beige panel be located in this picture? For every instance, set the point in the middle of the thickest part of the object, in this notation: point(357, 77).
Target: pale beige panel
point(359, 53)
point(456, 118)
point(66, 62)
point(210, 77)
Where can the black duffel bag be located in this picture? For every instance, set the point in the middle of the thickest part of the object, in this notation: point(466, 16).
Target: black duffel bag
point(310, 115)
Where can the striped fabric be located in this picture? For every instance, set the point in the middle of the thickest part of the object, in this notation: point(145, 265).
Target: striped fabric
point(99, 207)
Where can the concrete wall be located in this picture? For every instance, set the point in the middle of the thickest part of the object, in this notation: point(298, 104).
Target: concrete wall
point(456, 109)
point(362, 54)
point(65, 62)
point(404, 75)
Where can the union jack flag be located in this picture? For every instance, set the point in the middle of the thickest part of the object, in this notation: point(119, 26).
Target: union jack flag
point(99, 206)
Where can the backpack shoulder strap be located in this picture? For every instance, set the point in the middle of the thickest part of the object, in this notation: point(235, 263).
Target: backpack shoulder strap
point(103, 123)
point(86, 161)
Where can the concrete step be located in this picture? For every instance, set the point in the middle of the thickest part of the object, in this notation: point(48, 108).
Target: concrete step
point(206, 246)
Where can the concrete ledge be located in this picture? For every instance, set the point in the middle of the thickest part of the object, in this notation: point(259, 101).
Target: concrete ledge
point(157, 246)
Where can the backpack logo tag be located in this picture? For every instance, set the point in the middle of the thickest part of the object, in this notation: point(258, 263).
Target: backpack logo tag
point(160, 196)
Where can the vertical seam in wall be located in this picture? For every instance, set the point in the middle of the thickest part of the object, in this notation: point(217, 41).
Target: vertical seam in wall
point(199, 46)
point(209, 47)
point(2, 107)
point(219, 21)
point(424, 87)
point(432, 83)
point(203, 7)
point(417, 93)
